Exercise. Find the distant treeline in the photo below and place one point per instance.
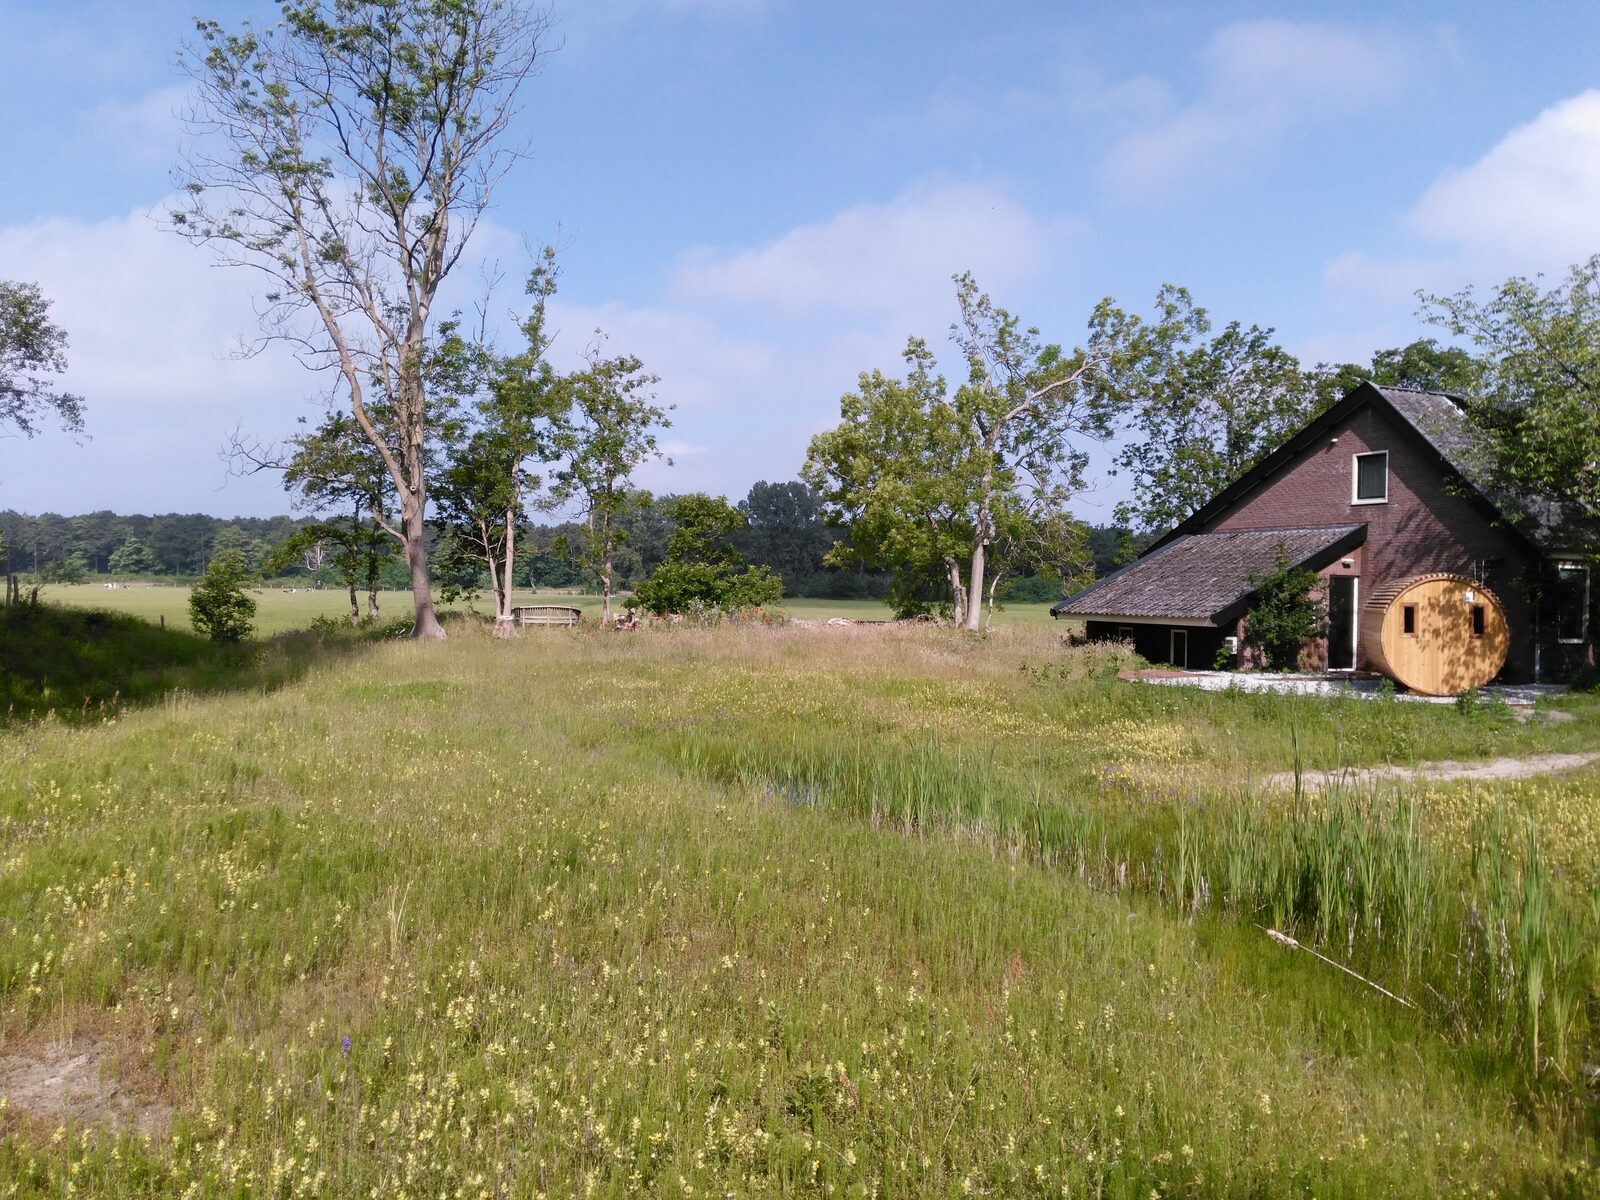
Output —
(784, 530)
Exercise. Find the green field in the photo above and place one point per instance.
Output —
(279, 610)
(883, 911)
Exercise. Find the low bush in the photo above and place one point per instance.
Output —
(218, 606)
(689, 587)
(1284, 614)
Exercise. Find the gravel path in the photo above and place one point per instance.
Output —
(1356, 687)
(1492, 770)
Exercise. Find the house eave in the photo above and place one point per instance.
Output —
(1120, 619)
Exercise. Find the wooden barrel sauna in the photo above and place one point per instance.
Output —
(1439, 635)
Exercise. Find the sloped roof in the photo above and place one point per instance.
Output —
(1206, 576)
(1443, 423)
(1439, 423)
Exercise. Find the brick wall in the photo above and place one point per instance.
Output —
(1424, 526)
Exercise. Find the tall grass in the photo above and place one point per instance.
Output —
(1485, 945)
(761, 914)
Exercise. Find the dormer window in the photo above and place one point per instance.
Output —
(1370, 484)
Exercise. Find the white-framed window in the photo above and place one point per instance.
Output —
(1369, 478)
(1572, 602)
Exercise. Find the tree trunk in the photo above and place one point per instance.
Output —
(975, 586)
(426, 624)
(958, 594)
(504, 625)
(495, 589)
(605, 588)
(994, 586)
(355, 607)
(375, 538)
(414, 496)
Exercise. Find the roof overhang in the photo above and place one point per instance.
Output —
(1118, 619)
(1251, 552)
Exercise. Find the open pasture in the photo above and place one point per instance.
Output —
(832, 912)
(279, 610)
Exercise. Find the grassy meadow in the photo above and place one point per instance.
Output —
(279, 610)
(886, 911)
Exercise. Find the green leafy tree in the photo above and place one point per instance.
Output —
(702, 566)
(608, 433)
(928, 479)
(348, 152)
(1111, 547)
(333, 472)
(72, 569)
(133, 557)
(1056, 549)
(513, 427)
(1284, 614)
(1539, 381)
(218, 606)
(1423, 365)
(1203, 412)
(32, 348)
(231, 539)
(785, 529)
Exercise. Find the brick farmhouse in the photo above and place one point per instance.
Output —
(1385, 485)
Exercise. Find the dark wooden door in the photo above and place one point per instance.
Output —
(1342, 623)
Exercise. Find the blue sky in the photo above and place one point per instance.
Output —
(763, 198)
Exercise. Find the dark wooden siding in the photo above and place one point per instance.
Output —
(1154, 643)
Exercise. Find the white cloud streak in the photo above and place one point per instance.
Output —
(885, 260)
(1262, 81)
(753, 346)
(1531, 204)
(153, 333)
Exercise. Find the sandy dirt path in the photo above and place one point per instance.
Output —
(1491, 770)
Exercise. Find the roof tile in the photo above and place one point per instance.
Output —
(1200, 576)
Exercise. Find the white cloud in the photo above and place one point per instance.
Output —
(1262, 80)
(753, 347)
(153, 331)
(1533, 201)
(676, 448)
(888, 260)
(1531, 204)
(702, 366)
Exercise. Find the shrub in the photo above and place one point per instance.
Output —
(699, 572)
(1283, 615)
(681, 587)
(72, 570)
(218, 606)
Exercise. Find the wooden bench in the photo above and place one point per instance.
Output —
(546, 614)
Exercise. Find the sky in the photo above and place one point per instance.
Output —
(764, 198)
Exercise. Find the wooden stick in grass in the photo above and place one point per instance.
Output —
(1283, 939)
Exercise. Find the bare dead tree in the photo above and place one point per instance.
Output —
(348, 154)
